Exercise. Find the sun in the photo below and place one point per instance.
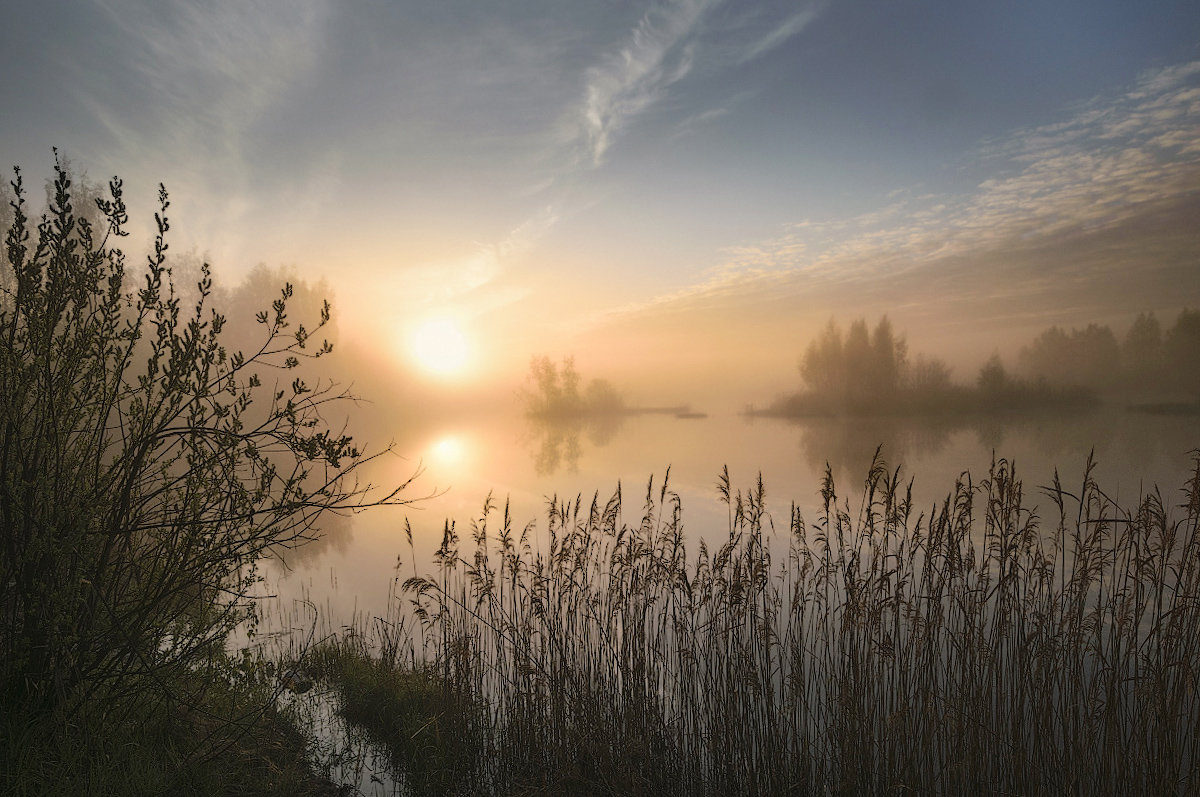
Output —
(448, 450)
(440, 346)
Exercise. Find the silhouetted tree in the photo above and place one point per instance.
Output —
(857, 362)
(993, 379)
(863, 370)
(1142, 355)
(869, 371)
(928, 375)
(888, 362)
(822, 365)
(1182, 346)
(144, 467)
(1088, 357)
(555, 391)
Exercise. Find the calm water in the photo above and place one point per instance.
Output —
(350, 570)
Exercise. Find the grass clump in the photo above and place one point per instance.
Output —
(425, 725)
(977, 647)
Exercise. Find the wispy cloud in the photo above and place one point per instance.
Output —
(659, 52)
(468, 286)
(1106, 196)
(696, 121)
(778, 34)
(188, 85)
(205, 73)
(666, 45)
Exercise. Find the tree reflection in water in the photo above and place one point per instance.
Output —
(557, 442)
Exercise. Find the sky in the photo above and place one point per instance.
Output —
(670, 191)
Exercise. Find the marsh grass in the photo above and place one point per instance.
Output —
(985, 645)
(425, 727)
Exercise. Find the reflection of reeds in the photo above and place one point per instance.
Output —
(978, 647)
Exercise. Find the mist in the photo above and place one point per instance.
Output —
(678, 397)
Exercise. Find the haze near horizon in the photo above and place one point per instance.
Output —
(679, 194)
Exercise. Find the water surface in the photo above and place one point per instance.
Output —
(349, 574)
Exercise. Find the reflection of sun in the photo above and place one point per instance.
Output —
(439, 346)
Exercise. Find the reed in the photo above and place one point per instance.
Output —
(981, 646)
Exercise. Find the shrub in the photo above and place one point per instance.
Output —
(144, 469)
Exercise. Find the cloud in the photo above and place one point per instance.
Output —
(664, 48)
(781, 33)
(183, 94)
(691, 124)
(203, 74)
(659, 52)
(479, 282)
(1096, 211)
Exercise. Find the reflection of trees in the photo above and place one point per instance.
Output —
(557, 441)
(560, 414)
(1136, 441)
(848, 444)
(1114, 434)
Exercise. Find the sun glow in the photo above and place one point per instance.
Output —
(447, 451)
(440, 347)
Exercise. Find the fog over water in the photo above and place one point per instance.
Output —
(505, 455)
(335, 333)
(683, 196)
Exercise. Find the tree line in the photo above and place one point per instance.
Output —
(1147, 361)
(868, 369)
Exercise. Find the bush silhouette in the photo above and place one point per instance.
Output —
(144, 469)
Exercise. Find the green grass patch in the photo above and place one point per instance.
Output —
(226, 740)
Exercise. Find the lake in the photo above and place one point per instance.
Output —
(348, 573)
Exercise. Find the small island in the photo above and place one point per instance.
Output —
(868, 371)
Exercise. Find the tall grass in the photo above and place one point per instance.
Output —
(975, 647)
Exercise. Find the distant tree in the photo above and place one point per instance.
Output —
(601, 397)
(822, 365)
(561, 413)
(241, 303)
(993, 379)
(865, 369)
(554, 392)
(144, 467)
(1098, 356)
(857, 362)
(889, 360)
(928, 375)
(1047, 354)
(1182, 347)
(1088, 357)
(1142, 355)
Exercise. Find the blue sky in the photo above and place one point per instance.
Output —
(681, 181)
